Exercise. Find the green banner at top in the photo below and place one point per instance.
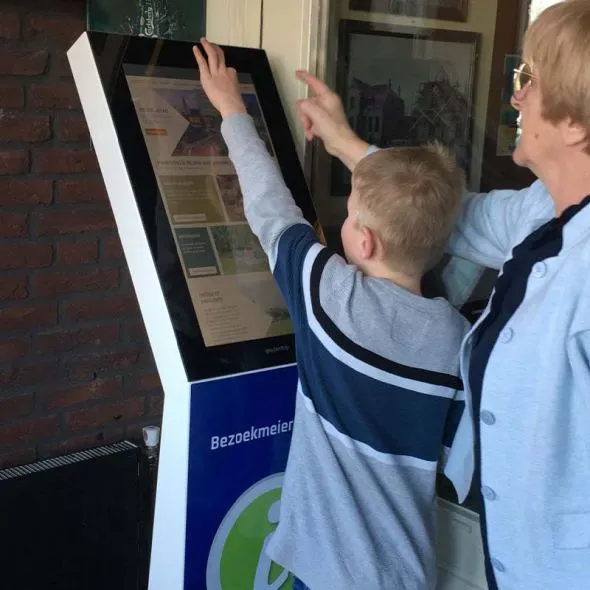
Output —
(181, 20)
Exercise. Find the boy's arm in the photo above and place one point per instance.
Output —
(269, 206)
(268, 203)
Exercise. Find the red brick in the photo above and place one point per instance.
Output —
(112, 249)
(61, 95)
(14, 162)
(156, 405)
(65, 161)
(63, 341)
(27, 375)
(26, 192)
(100, 308)
(90, 366)
(136, 332)
(13, 288)
(59, 31)
(22, 127)
(25, 317)
(12, 96)
(53, 223)
(72, 129)
(16, 406)
(95, 390)
(58, 283)
(21, 432)
(82, 442)
(60, 66)
(17, 457)
(9, 25)
(74, 253)
(146, 382)
(82, 191)
(106, 415)
(25, 255)
(14, 225)
(13, 348)
(23, 64)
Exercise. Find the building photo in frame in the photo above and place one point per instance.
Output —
(405, 87)
(456, 10)
(180, 20)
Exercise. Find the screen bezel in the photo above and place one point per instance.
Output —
(112, 53)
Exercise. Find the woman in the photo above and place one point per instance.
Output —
(526, 362)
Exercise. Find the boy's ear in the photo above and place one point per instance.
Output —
(368, 245)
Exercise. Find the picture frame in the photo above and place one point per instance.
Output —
(178, 20)
(452, 10)
(406, 86)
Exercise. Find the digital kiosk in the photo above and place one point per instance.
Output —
(218, 326)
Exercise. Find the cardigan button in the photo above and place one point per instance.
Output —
(506, 335)
(487, 418)
(539, 270)
(488, 493)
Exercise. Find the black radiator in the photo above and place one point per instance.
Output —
(77, 522)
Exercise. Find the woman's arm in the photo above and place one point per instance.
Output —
(489, 223)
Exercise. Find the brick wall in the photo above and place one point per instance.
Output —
(75, 366)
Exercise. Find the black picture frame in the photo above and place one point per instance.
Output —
(113, 53)
(410, 93)
(452, 10)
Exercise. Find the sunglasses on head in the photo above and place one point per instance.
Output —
(523, 75)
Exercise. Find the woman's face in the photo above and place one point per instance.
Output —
(539, 140)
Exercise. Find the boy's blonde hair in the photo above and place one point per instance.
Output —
(409, 197)
(557, 47)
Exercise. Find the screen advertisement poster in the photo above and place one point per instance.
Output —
(232, 289)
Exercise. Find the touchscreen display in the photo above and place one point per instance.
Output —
(229, 280)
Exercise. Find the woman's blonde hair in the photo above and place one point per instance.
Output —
(557, 47)
(409, 197)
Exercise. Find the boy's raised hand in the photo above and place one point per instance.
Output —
(219, 82)
(322, 115)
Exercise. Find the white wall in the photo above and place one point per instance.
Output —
(234, 22)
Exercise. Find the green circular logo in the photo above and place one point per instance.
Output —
(238, 560)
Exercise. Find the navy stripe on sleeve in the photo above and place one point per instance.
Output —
(294, 244)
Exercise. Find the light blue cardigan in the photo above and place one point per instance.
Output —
(535, 409)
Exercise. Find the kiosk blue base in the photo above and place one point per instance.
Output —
(239, 440)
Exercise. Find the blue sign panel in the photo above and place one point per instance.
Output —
(240, 431)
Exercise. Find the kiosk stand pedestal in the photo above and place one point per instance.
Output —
(218, 326)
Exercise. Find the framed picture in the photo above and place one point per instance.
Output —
(180, 20)
(456, 10)
(405, 86)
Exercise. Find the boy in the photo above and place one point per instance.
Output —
(378, 395)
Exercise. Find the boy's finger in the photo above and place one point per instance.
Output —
(303, 118)
(212, 57)
(201, 61)
(220, 55)
(308, 108)
(316, 85)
